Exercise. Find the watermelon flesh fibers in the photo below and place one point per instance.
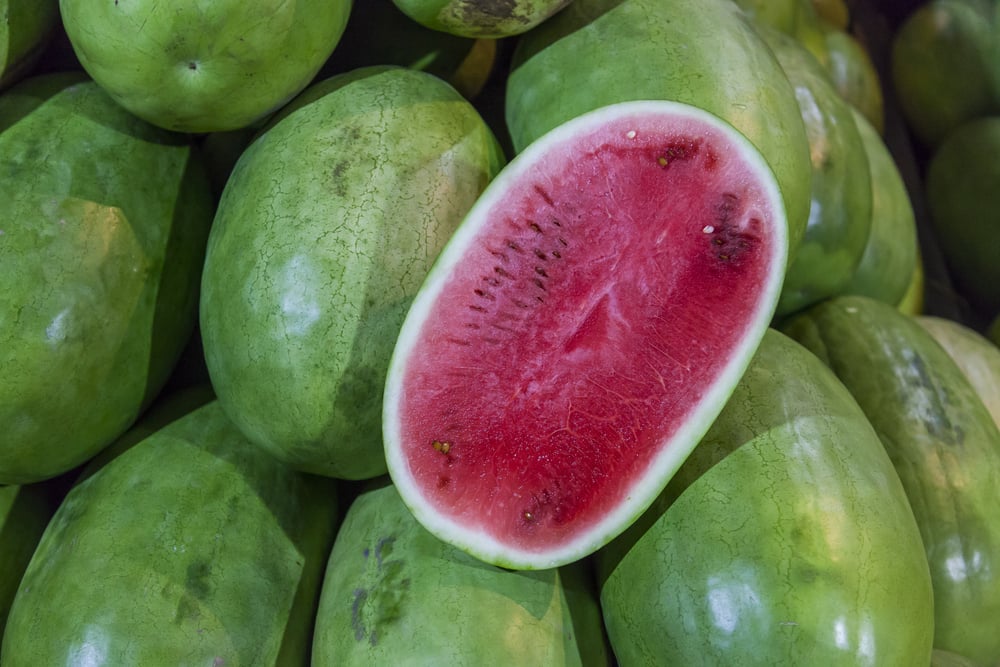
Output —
(581, 331)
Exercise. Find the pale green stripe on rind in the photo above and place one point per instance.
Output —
(676, 449)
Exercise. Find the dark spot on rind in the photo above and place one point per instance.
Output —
(357, 624)
(197, 579)
(937, 422)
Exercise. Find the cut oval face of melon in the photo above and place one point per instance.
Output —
(581, 331)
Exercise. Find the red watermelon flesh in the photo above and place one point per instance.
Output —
(581, 331)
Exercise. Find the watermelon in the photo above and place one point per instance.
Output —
(943, 66)
(891, 255)
(705, 53)
(854, 75)
(378, 33)
(581, 330)
(944, 445)
(25, 511)
(481, 18)
(975, 355)
(192, 547)
(395, 594)
(840, 210)
(785, 539)
(105, 220)
(963, 193)
(24, 33)
(325, 230)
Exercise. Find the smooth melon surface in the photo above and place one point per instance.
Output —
(581, 330)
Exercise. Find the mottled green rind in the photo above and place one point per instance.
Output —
(778, 14)
(194, 66)
(105, 219)
(192, 548)
(944, 67)
(840, 210)
(702, 52)
(25, 510)
(327, 227)
(785, 539)
(854, 76)
(975, 355)
(891, 252)
(25, 26)
(396, 595)
(944, 445)
(963, 198)
(481, 18)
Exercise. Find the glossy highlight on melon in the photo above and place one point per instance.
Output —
(581, 330)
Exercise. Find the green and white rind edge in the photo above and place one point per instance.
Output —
(676, 449)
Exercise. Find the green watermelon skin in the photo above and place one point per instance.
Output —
(105, 224)
(396, 595)
(784, 539)
(976, 356)
(25, 510)
(326, 228)
(24, 33)
(191, 548)
(892, 252)
(944, 445)
(701, 52)
(840, 211)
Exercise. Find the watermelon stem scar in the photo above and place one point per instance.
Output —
(581, 331)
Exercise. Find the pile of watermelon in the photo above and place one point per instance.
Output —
(466, 332)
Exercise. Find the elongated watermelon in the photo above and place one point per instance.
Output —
(191, 548)
(944, 445)
(786, 538)
(581, 330)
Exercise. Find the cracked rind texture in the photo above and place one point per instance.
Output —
(701, 52)
(193, 547)
(944, 445)
(193, 66)
(785, 538)
(395, 594)
(494, 19)
(105, 220)
(326, 229)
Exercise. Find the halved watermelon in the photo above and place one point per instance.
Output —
(581, 331)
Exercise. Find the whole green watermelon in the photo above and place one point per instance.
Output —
(785, 538)
(194, 547)
(325, 230)
(105, 220)
(944, 446)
